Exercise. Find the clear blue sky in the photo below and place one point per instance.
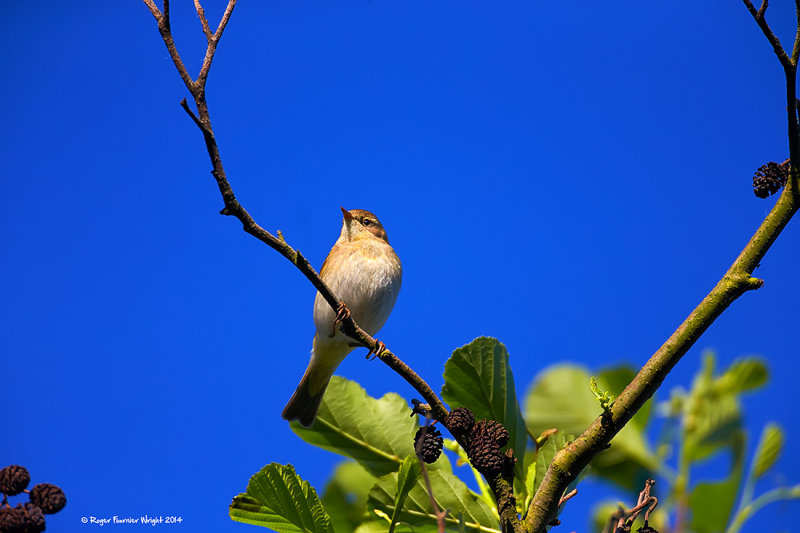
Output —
(570, 178)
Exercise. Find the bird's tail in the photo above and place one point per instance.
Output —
(304, 403)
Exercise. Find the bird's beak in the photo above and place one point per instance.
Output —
(346, 213)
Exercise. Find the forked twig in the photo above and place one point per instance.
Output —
(232, 206)
(758, 15)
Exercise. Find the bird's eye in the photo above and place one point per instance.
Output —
(366, 221)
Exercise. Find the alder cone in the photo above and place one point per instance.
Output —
(49, 498)
(12, 520)
(32, 518)
(490, 429)
(769, 179)
(14, 479)
(486, 457)
(431, 447)
(460, 420)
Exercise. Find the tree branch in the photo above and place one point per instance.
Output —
(201, 13)
(758, 15)
(166, 34)
(570, 461)
(233, 208)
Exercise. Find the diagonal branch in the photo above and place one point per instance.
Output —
(233, 208)
(570, 461)
(501, 487)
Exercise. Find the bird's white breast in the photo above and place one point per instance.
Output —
(366, 275)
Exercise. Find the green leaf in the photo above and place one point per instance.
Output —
(711, 503)
(382, 526)
(345, 497)
(376, 433)
(478, 376)
(407, 477)
(614, 380)
(463, 461)
(545, 454)
(560, 398)
(373, 526)
(711, 426)
(769, 449)
(277, 498)
(529, 466)
(601, 516)
(743, 375)
(450, 494)
(602, 396)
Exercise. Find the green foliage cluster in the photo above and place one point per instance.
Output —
(381, 486)
(701, 423)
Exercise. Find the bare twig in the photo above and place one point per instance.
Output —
(213, 41)
(233, 208)
(758, 15)
(623, 518)
(796, 48)
(568, 496)
(166, 34)
(203, 20)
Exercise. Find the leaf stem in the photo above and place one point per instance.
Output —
(782, 493)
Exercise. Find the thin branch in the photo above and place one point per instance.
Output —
(574, 458)
(162, 19)
(758, 15)
(568, 496)
(233, 208)
(212, 43)
(570, 461)
(151, 5)
(796, 49)
(201, 13)
(185, 106)
(623, 518)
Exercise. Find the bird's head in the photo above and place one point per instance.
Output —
(360, 224)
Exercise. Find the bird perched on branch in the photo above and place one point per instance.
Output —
(362, 270)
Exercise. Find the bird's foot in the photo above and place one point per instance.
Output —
(380, 347)
(342, 313)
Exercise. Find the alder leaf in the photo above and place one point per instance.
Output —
(277, 498)
(560, 398)
(345, 497)
(769, 449)
(450, 493)
(478, 376)
(743, 375)
(407, 477)
(712, 503)
(377, 433)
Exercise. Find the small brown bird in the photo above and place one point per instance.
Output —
(362, 270)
